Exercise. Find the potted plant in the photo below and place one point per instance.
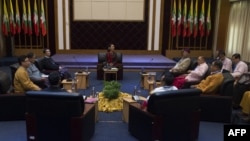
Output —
(111, 89)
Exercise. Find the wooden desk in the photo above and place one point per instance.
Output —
(145, 77)
(125, 110)
(110, 71)
(82, 80)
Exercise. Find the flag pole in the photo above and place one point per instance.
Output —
(25, 42)
(200, 42)
(189, 41)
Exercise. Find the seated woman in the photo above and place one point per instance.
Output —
(111, 57)
(193, 75)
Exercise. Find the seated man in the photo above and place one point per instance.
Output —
(34, 73)
(22, 82)
(55, 81)
(211, 84)
(240, 67)
(227, 63)
(180, 67)
(49, 64)
(193, 75)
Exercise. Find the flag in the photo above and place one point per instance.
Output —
(173, 20)
(202, 19)
(24, 22)
(208, 19)
(179, 18)
(35, 20)
(5, 24)
(195, 19)
(43, 20)
(185, 19)
(29, 19)
(190, 20)
(12, 20)
(18, 25)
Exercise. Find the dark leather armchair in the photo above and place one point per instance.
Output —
(101, 64)
(170, 116)
(61, 116)
(218, 107)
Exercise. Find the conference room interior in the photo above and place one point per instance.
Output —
(77, 31)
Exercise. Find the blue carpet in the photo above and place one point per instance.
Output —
(110, 126)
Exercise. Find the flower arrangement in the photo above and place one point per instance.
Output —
(111, 89)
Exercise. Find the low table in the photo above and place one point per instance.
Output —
(67, 85)
(110, 71)
(145, 77)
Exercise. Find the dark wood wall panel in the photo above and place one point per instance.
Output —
(98, 34)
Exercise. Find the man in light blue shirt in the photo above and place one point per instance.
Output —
(34, 73)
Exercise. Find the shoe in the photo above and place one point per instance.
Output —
(246, 119)
(242, 114)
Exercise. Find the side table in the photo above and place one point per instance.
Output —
(125, 110)
(82, 80)
(110, 71)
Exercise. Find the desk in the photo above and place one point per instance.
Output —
(145, 77)
(125, 110)
(82, 80)
(110, 71)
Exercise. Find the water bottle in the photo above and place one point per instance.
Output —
(142, 70)
(73, 86)
(86, 69)
(93, 92)
(135, 91)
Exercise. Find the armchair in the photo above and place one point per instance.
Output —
(218, 107)
(170, 115)
(58, 116)
(101, 63)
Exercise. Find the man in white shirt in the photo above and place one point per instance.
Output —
(227, 63)
(240, 66)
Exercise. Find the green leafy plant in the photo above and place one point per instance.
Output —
(111, 89)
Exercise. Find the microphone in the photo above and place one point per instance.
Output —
(78, 63)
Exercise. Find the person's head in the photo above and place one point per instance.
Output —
(169, 81)
(201, 59)
(47, 52)
(216, 66)
(236, 58)
(23, 60)
(112, 47)
(221, 54)
(32, 57)
(54, 78)
(185, 52)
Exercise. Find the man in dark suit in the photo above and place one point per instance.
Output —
(49, 64)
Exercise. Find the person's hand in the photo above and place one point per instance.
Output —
(43, 79)
(60, 67)
(69, 91)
